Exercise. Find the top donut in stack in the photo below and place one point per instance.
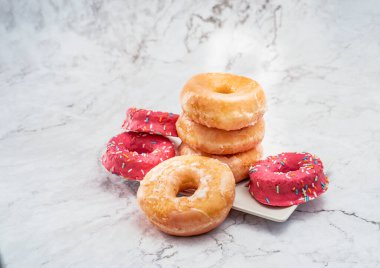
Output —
(222, 119)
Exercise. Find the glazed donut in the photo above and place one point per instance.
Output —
(287, 179)
(239, 163)
(132, 155)
(161, 123)
(187, 215)
(223, 101)
(217, 141)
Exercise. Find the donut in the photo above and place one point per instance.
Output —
(217, 141)
(187, 215)
(153, 122)
(131, 155)
(223, 101)
(287, 179)
(239, 163)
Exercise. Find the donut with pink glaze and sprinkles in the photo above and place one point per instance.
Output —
(287, 179)
(131, 155)
(161, 123)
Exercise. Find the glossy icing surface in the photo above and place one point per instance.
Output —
(131, 155)
(153, 122)
(287, 179)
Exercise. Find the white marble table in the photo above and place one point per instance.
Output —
(69, 70)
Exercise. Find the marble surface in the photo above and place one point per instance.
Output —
(70, 69)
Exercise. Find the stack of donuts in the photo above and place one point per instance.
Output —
(222, 119)
(143, 144)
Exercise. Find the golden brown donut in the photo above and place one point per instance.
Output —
(223, 101)
(217, 141)
(187, 215)
(239, 163)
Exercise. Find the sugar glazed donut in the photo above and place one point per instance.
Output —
(187, 215)
(239, 163)
(132, 155)
(223, 101)
(161, 123)
(217, 141)
(287, 179)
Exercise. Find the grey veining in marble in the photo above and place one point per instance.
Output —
(69, 70)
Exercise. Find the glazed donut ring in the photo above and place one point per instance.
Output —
(187, 215)
(239, 163)
(217, 141)
(223, 101)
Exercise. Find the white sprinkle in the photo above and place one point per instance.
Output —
(142, 171)
(129, 170)
(201, 193)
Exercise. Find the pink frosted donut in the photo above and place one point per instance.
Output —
(140, 120)
(132, 155)
(287, 179)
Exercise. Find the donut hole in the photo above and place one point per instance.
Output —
(187, 186)
(186, 192)
(224, 90)
(287, 168)
(142, 150)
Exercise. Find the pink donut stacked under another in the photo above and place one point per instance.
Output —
(132, 155)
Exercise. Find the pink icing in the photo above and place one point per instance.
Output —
(287, 179)
(140, 120)
(132, 155)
